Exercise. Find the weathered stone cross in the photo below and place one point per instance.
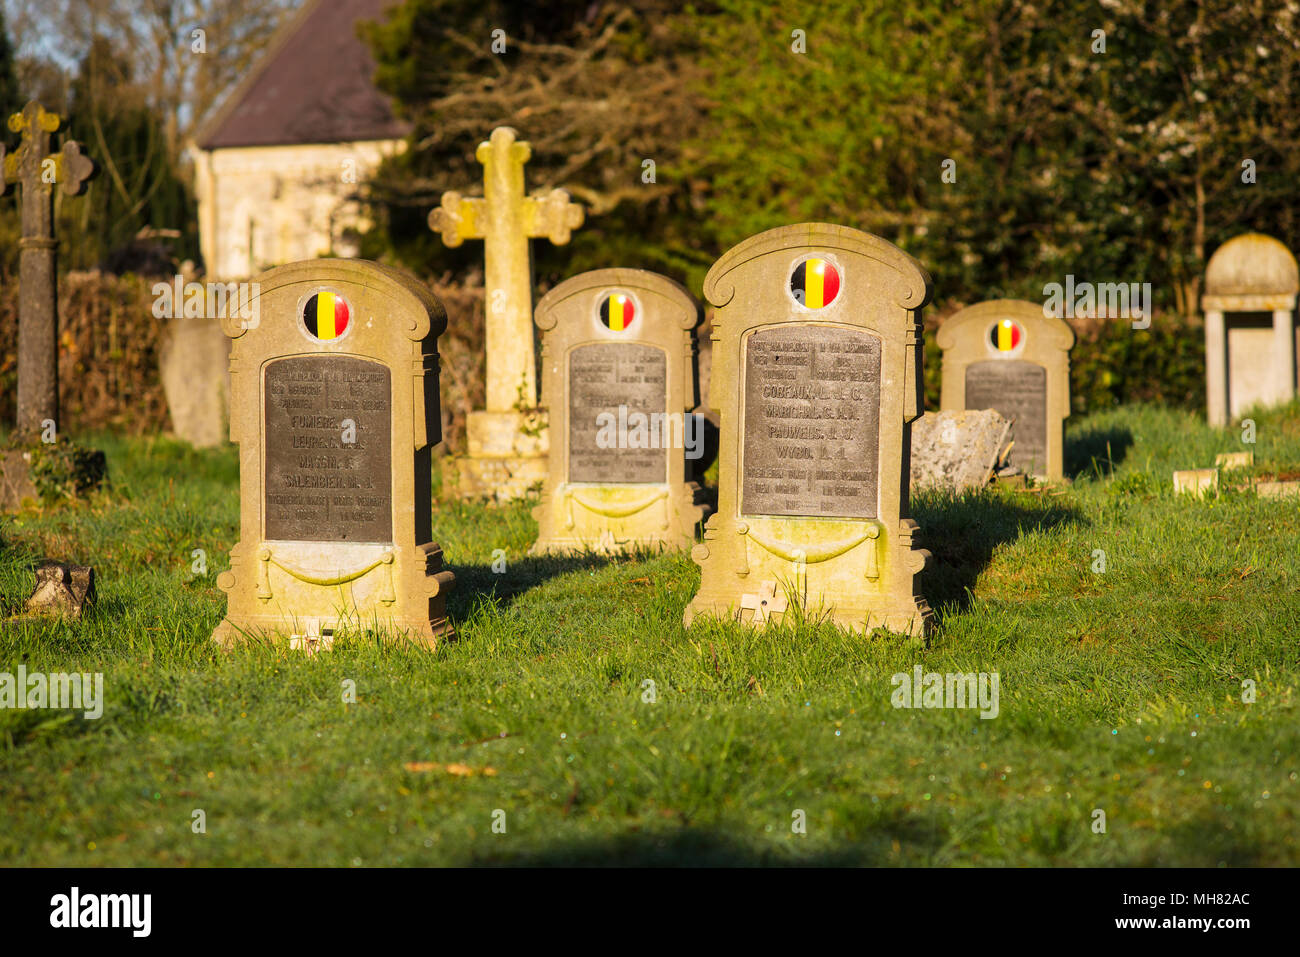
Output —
(505, 219)
(34, 168)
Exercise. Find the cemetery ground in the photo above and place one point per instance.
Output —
(1121, 691)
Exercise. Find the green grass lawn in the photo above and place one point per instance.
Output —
(1120, 691)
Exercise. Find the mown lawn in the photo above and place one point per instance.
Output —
(1120, 691)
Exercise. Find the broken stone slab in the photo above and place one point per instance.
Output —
(957, 450)
(62, 589)
(1198, 482)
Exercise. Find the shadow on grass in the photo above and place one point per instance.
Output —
(474, 581)
(962, 531)
(1096, 451)
(699, 847)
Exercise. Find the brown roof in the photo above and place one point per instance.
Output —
(314, 84)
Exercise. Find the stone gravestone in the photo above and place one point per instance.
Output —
(618, 381)
(1251, 283)
(1006, 355)
(507, 440)
(957, 451)
(816, 379)
(194, 367)
(334, 406)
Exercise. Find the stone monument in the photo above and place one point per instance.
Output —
(1251, 284)
(1007, 355)
(618, 381)
(508, 440)
(334, 406)
(816, 379)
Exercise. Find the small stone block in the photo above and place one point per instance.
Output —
(1278, 489)
(1198, 482)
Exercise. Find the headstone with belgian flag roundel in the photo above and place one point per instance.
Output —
(618, 382)
(816, 380)
(334, 406)
(1007, 355)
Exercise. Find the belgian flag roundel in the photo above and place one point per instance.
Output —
(815, 283)
(617, 311)
(326, 315)
(1006, 335)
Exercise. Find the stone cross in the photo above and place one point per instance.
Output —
(36, 169)
(765, 604)
(505, 219)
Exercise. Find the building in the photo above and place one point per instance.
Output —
(277, 163)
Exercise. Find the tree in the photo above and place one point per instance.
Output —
(596, 88)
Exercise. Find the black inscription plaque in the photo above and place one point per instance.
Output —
(317, 487)
(1017, 389)
(618, 430)
(812, 422)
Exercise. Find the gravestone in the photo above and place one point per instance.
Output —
(334, 406)
(618, 381)
(507, 440)
(194, 367)
(1006, 355)
(816, 379)
(957, 451)
(1251, 283)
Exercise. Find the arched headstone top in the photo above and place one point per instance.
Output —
(911, 290)
(1252, 265)
(684, 309)
(401, 295)
(1052, 332)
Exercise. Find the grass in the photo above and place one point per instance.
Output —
(1120, 692)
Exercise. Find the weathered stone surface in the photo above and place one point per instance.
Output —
(16, 487)
(836, 374)
(505, 219)
(618, 389)
(195, 368)
(62, 589)
(335, 424)
(1198, 482)
(1251, 284)
(957, 450)
(1006, 355)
